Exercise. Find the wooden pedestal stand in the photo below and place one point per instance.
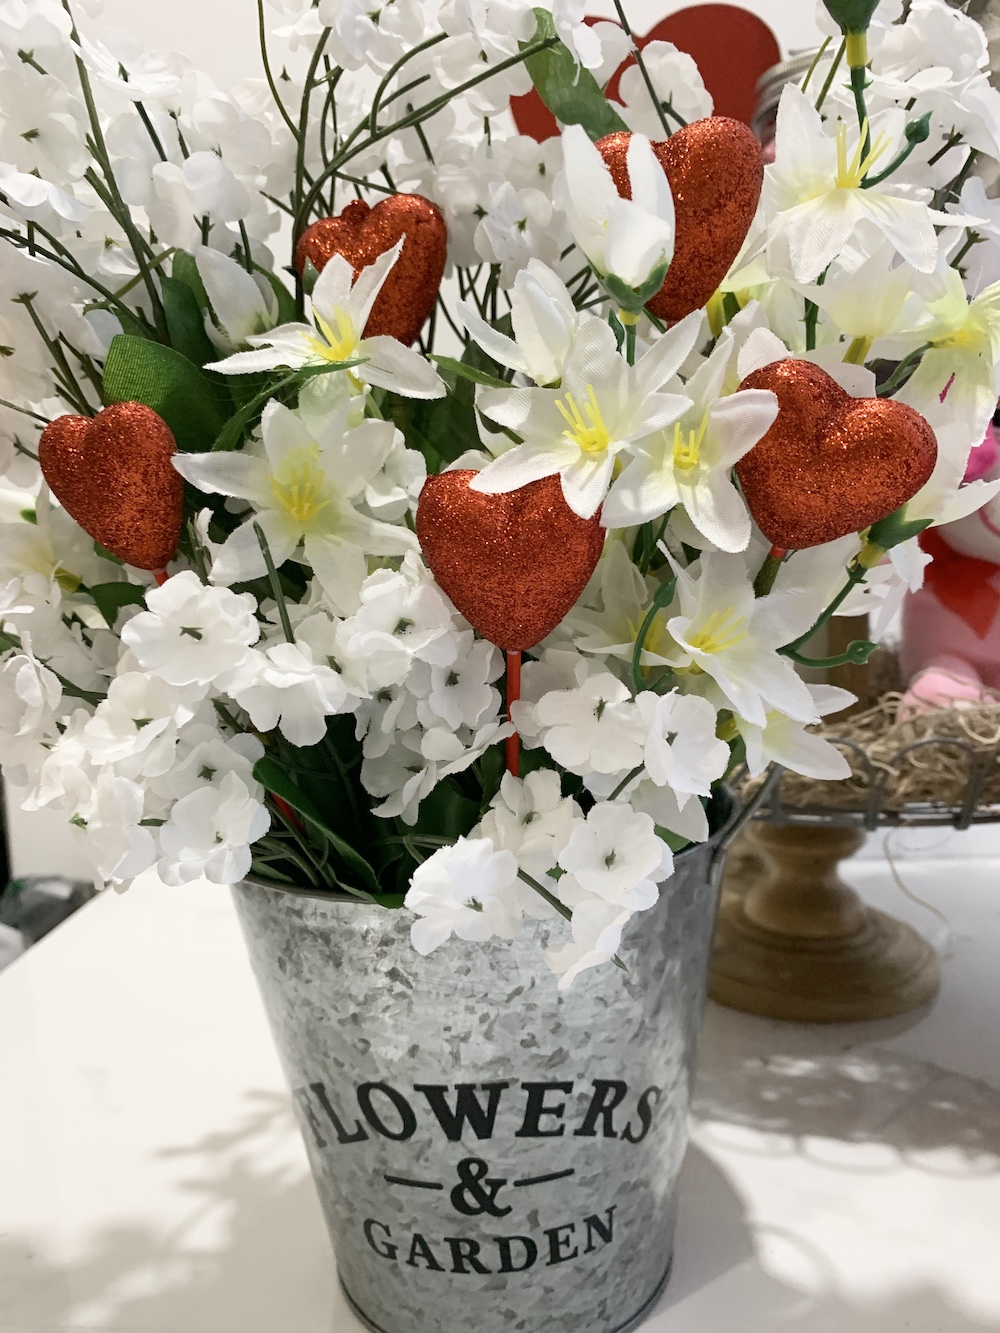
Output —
(793, 941)
(800, 944)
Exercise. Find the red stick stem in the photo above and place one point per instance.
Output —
(161, 576)
(513, 694)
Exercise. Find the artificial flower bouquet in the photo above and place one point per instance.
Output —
(396, 506)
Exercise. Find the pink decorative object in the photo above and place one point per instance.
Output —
(950, 650)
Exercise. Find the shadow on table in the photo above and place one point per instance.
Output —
(720, 1284)
(787, 1082)
(251, 1256)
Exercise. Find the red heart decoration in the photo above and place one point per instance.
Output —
(513, 564)
(361, 234)
(113, 474)
(831, 464)
(715, 168)
(731, 47)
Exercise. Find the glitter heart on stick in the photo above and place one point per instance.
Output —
(361, 234)
(513, 564)
(715, 168)
(831, 464)
(113, 474)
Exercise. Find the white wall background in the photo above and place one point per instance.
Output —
(220, 36)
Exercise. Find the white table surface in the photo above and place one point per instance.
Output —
(840, 1180)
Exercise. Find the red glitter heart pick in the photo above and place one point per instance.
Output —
(361, 234)
(715, 168)
(831, 464)
(513, 564)
(113, 474)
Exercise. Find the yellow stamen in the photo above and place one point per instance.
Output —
(299, 486)
(720, 631)
(687, 445)
(858, 350)
(341, 343)
(586, 428)
(851, 174)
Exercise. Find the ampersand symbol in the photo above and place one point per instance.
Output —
(475, 1194)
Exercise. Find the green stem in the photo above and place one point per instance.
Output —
(268, 75)
(301, 175)
(644, 71)
(421, 114)
(276, 589)
(900, 373)
(664, 595)
(816, 59)
(394, 69)
(543, 892)
(25, 411)
(972, 239)
(855, 575)
(626, 780)
(859, 78)
(832, 75)
(768, 572)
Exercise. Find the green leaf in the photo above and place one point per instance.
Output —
(139, 371)
(570, 92)
(274, 778)
(466, 372)
(111, 597)
(185, 269)
(446, 813)
(185, 322)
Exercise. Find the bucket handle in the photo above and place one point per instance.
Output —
(744, 814)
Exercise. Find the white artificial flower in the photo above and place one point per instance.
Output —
(593, 727)
(676, 80)
(682, 750)
(532, 819)
(305, 489)
(210, 831)
(597, 928)
(602, 406)
(516, 229)
(37, 200)
(961, 364)
(117, 843)
(290, 690)
(726, 632)
(813, 194)
(243, 304)
(340, 309)
(783, 740)
(182, 194)
(630, 240)
(467, 889)
(607, 618)
(461, 693)
(138, 723)
(545, 323)
(691, 462)
(616, 855)
(192, 634)
(29, 694)
(402, 617)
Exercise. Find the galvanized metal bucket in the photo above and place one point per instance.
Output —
(490, 1153)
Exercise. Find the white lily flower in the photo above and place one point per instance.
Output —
(725, 632)
(627, 239)
(602, 406)
(304, 489)
(813, 190)
(783, 740)
(607, 618)
(961, 362)
(545, 323)
(691, 462)
(243, 304)
(340, 309)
